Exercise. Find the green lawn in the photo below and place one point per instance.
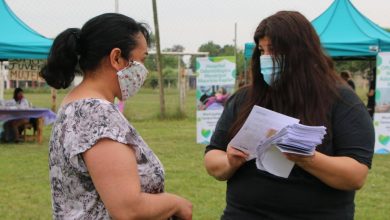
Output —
(24, 181)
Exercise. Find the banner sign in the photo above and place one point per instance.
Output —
(215, 82)
(382, 104)
(25, 69)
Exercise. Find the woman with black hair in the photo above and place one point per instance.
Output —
(100, 167)
(292, 75)
(19, 98)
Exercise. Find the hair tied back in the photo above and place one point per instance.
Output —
(76, 35)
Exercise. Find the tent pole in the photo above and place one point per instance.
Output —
(245, 71)
(370, 70)
(370, 64)
(1, 81)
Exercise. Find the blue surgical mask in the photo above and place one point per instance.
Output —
(268, 68)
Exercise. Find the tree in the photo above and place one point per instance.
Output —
(158, 61)
(211, 47)
(175, 48)
(168, 61)
(354, 66)
(227, 50)
(217, 50)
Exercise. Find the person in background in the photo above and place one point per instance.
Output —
(13, 128)
(321, 186)
(371, 94)
(346, 76)
(100, 166)
(217, 101)
(19, 98)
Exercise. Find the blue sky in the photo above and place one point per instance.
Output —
(186, 22)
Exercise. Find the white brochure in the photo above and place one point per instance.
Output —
(261, 124)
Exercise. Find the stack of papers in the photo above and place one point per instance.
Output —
(296, 139)
(266, 135)
(257, 127)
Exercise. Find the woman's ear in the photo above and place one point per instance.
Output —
(115, 59)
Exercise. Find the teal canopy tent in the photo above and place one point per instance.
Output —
(346, 33)
(17, 40)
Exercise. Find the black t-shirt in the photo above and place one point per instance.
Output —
(255, 194)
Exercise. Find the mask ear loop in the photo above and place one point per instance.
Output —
(129, 63)
(133, 62)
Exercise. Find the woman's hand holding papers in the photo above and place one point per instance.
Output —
(236, 158)
(222, 165)
(300, 160)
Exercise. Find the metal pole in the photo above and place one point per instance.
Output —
(245, 70)
(116, 6)
(121, 104)
(158, 60)
(235, 49)
(182, 88)
(1, 81)
(235, 41)
(178, 71)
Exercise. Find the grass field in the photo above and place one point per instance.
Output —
(24, 181)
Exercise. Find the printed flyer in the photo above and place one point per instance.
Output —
(215, 82)
(382, 104)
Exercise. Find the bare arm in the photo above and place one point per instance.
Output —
(222, 165)
(342, 173)
(113, 169)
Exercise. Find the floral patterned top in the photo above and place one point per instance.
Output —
(79, 126)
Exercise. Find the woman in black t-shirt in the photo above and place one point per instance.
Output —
(292, 75)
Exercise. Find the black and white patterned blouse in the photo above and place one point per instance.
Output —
(79, 126)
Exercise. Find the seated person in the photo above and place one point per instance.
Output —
(13, 128)
(19, 99)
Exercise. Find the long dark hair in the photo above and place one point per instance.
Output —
(79, 50)
(306, 86)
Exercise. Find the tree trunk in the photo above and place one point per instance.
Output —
(158, 60)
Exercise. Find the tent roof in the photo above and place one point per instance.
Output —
(17, 40)
(346, 33)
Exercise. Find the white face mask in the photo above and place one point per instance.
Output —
(131, 79)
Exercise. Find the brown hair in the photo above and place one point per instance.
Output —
(306, 85)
